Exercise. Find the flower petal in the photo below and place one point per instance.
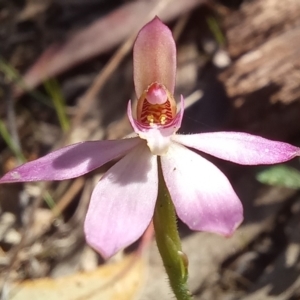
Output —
(71, 161)
(154, 57)
(241, 148)
(122, 203)
(158, 137)
(202, 195)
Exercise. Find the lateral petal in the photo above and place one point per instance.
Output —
(71, 161)
(202, 195)
(154, 57)
(122, 203)
(241, 148)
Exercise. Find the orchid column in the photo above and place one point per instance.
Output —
(156, 121)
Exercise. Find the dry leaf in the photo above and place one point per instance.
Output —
(99, 37)
(121, 280)
(32, 9)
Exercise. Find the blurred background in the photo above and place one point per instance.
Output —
(66, 76)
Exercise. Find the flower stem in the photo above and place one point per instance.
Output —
(168, 241)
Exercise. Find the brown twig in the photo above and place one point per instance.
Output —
(67, 198)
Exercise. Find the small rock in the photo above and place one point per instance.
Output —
(12, 237)
(89, 259)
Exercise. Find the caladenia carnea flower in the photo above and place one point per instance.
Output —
(123, 202)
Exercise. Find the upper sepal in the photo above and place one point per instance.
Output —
(154, 57)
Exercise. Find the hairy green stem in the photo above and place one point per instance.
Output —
(168, 241)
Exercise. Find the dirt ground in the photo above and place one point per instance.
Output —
(66, 76)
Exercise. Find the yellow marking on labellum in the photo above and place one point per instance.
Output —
(156, 114)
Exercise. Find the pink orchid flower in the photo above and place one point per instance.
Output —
(122, 203)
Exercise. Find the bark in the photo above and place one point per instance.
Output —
(263, 81)
(258, 21)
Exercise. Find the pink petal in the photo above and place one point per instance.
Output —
(71, 161)
(158, 138)
(202, 195)
(154, 57)
(122, 203)
(241, 148)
